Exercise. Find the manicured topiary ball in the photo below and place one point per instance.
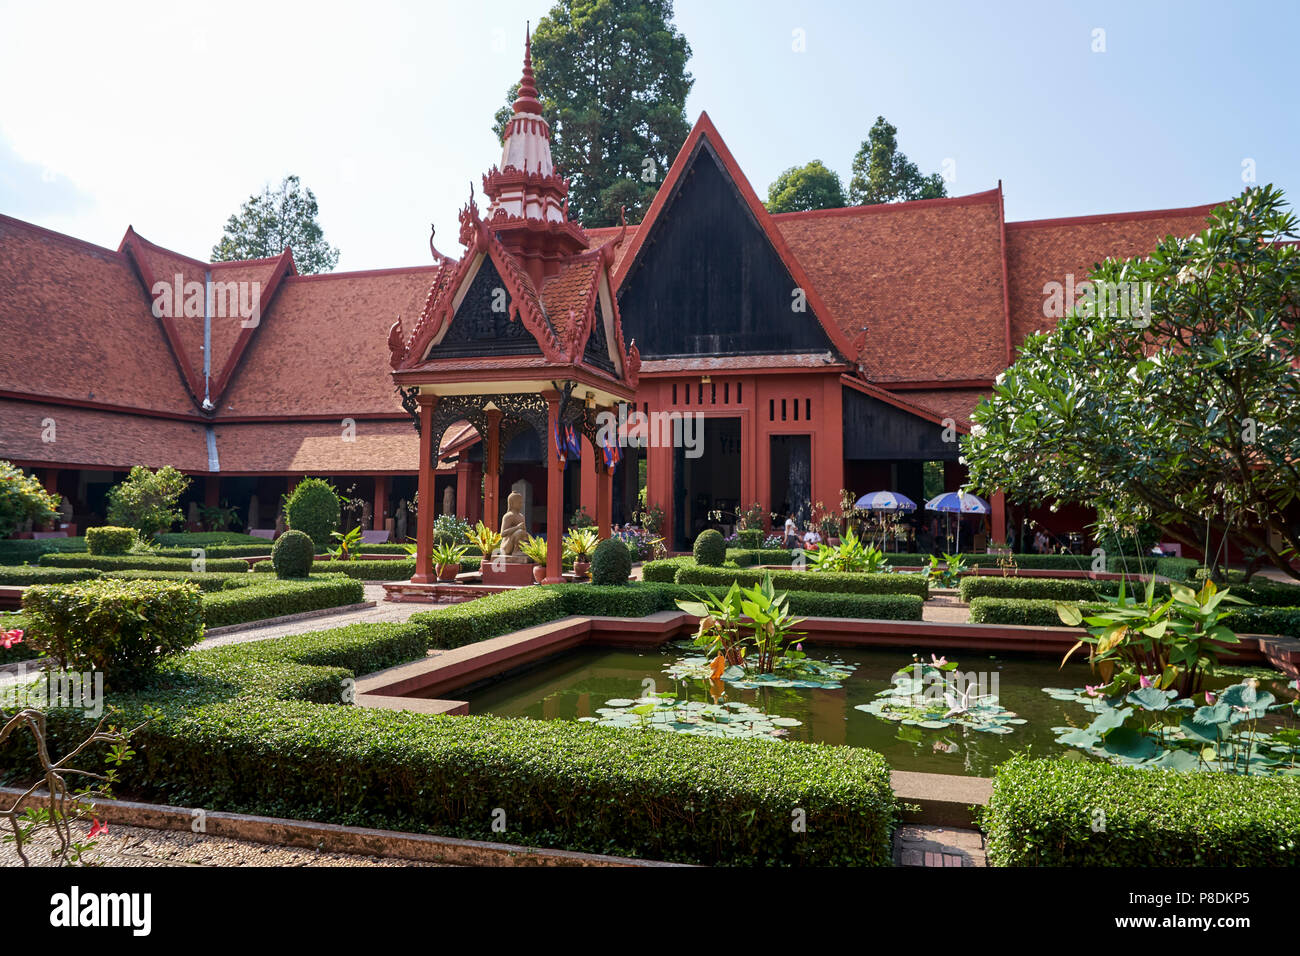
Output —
(109, 540)
(313, 508)
(611, 562)
(710, 549)
(292, 555)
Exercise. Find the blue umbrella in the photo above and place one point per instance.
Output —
(960, 503)
(885, 501)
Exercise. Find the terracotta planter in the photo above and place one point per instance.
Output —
(580, 568)
(448, 572)
(539, 573)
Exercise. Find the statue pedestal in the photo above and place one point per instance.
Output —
(515, 571)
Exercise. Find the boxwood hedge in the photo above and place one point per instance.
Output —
(247, 728)
(665, 570)
(273, 597)
(838, 582)
(1263, 593)
(1283, 621)
(21, 574)
(137, 562)
(382, 570)
(1063, 812)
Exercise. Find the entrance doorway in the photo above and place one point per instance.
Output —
(706, 489)
(791, 463)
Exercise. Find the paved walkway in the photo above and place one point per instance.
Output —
(916, 845)
(945, 609)
(382, 611)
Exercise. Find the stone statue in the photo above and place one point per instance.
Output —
(514, 526)
(254, 512)
(400, 521)
(192, 517)
(448, 501)
(367, 512)
(281, 526)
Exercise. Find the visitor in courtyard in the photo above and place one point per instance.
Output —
(791, 532)
(811, 539)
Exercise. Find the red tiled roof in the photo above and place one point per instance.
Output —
(923, 278)
(1046, 250)
(320, 348)
(75, 324)
(954, 403)
(93, 438)
(318, 448)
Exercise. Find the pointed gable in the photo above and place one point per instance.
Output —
(484, 321)
(708, 272)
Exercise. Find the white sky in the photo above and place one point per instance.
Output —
(167, 116)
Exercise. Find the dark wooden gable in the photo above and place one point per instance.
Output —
(708, 281)
(482, 325)
(597, 350)
(877, 430)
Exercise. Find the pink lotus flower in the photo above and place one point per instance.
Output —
(1093, 690)
(938, 661)
(99, 829)
(1145, 681)
(1210, 698)
(9, 638)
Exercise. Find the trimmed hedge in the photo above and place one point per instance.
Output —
(274, 597)
(1284, 621)
(710, 550)
(35, 574)
(838, 582)
(209, 581)
(665, 570)
(1176, 569)
(121, 628)
(29, 550)
(293, 555)
(745, 558)
(109, 540)
(384, 570)
(1042, 813)
(313, 508)
(490, 616)
(750, 539)
(239, 731)
(1262, 593)
(611, 562)
(137, 562)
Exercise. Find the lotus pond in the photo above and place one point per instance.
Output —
(840, 696)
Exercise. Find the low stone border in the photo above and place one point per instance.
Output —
(287, 618)
(361, 841)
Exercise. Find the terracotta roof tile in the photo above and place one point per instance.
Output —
(924, 279)
(99, 439)
(318, 447)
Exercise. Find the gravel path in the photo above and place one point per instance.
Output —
(139, 846)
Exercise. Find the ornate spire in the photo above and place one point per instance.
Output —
(527, 102)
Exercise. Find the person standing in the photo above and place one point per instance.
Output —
(791, 533)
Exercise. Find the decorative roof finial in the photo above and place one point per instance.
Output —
(527, 101)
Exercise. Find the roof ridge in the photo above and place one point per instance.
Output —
(987, 195)
(55, 234)
(1136, 215)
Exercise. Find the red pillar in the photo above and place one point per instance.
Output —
(424, 517)
(50, 479)
(998, 518)
(462, 489)
(492, 470)
(554, 493)
(381, 501)
(590, 466)
(828, 442)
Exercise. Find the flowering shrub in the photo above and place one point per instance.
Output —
(23, 498)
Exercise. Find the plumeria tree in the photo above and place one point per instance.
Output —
(23, 498)
(1169, 395)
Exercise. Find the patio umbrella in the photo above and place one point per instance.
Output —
(885, 501)
(959, 503)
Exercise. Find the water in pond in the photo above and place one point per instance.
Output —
(574, 685)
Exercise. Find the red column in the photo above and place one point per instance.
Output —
(590, 469)
(424, 517)
(828, 442)
(604, 493)
(462, 489)
(212, 491)
(381, 501)
(554, 493)
(492, 470)
(998, 518)
(50, 479)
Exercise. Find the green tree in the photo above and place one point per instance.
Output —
(147, 500)
(313, 508)
(805, 187)
(23, 498)
(1169, 394)
(881, 173)
(281, 217)
(613, 83)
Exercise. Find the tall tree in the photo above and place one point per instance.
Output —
(881, 173)
(805, 187)
(1168, 395)
(277, 218)
(613, 82)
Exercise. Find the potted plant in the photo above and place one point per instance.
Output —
(579, 543)
(485, 539)
(534, 548)
(446, 560)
